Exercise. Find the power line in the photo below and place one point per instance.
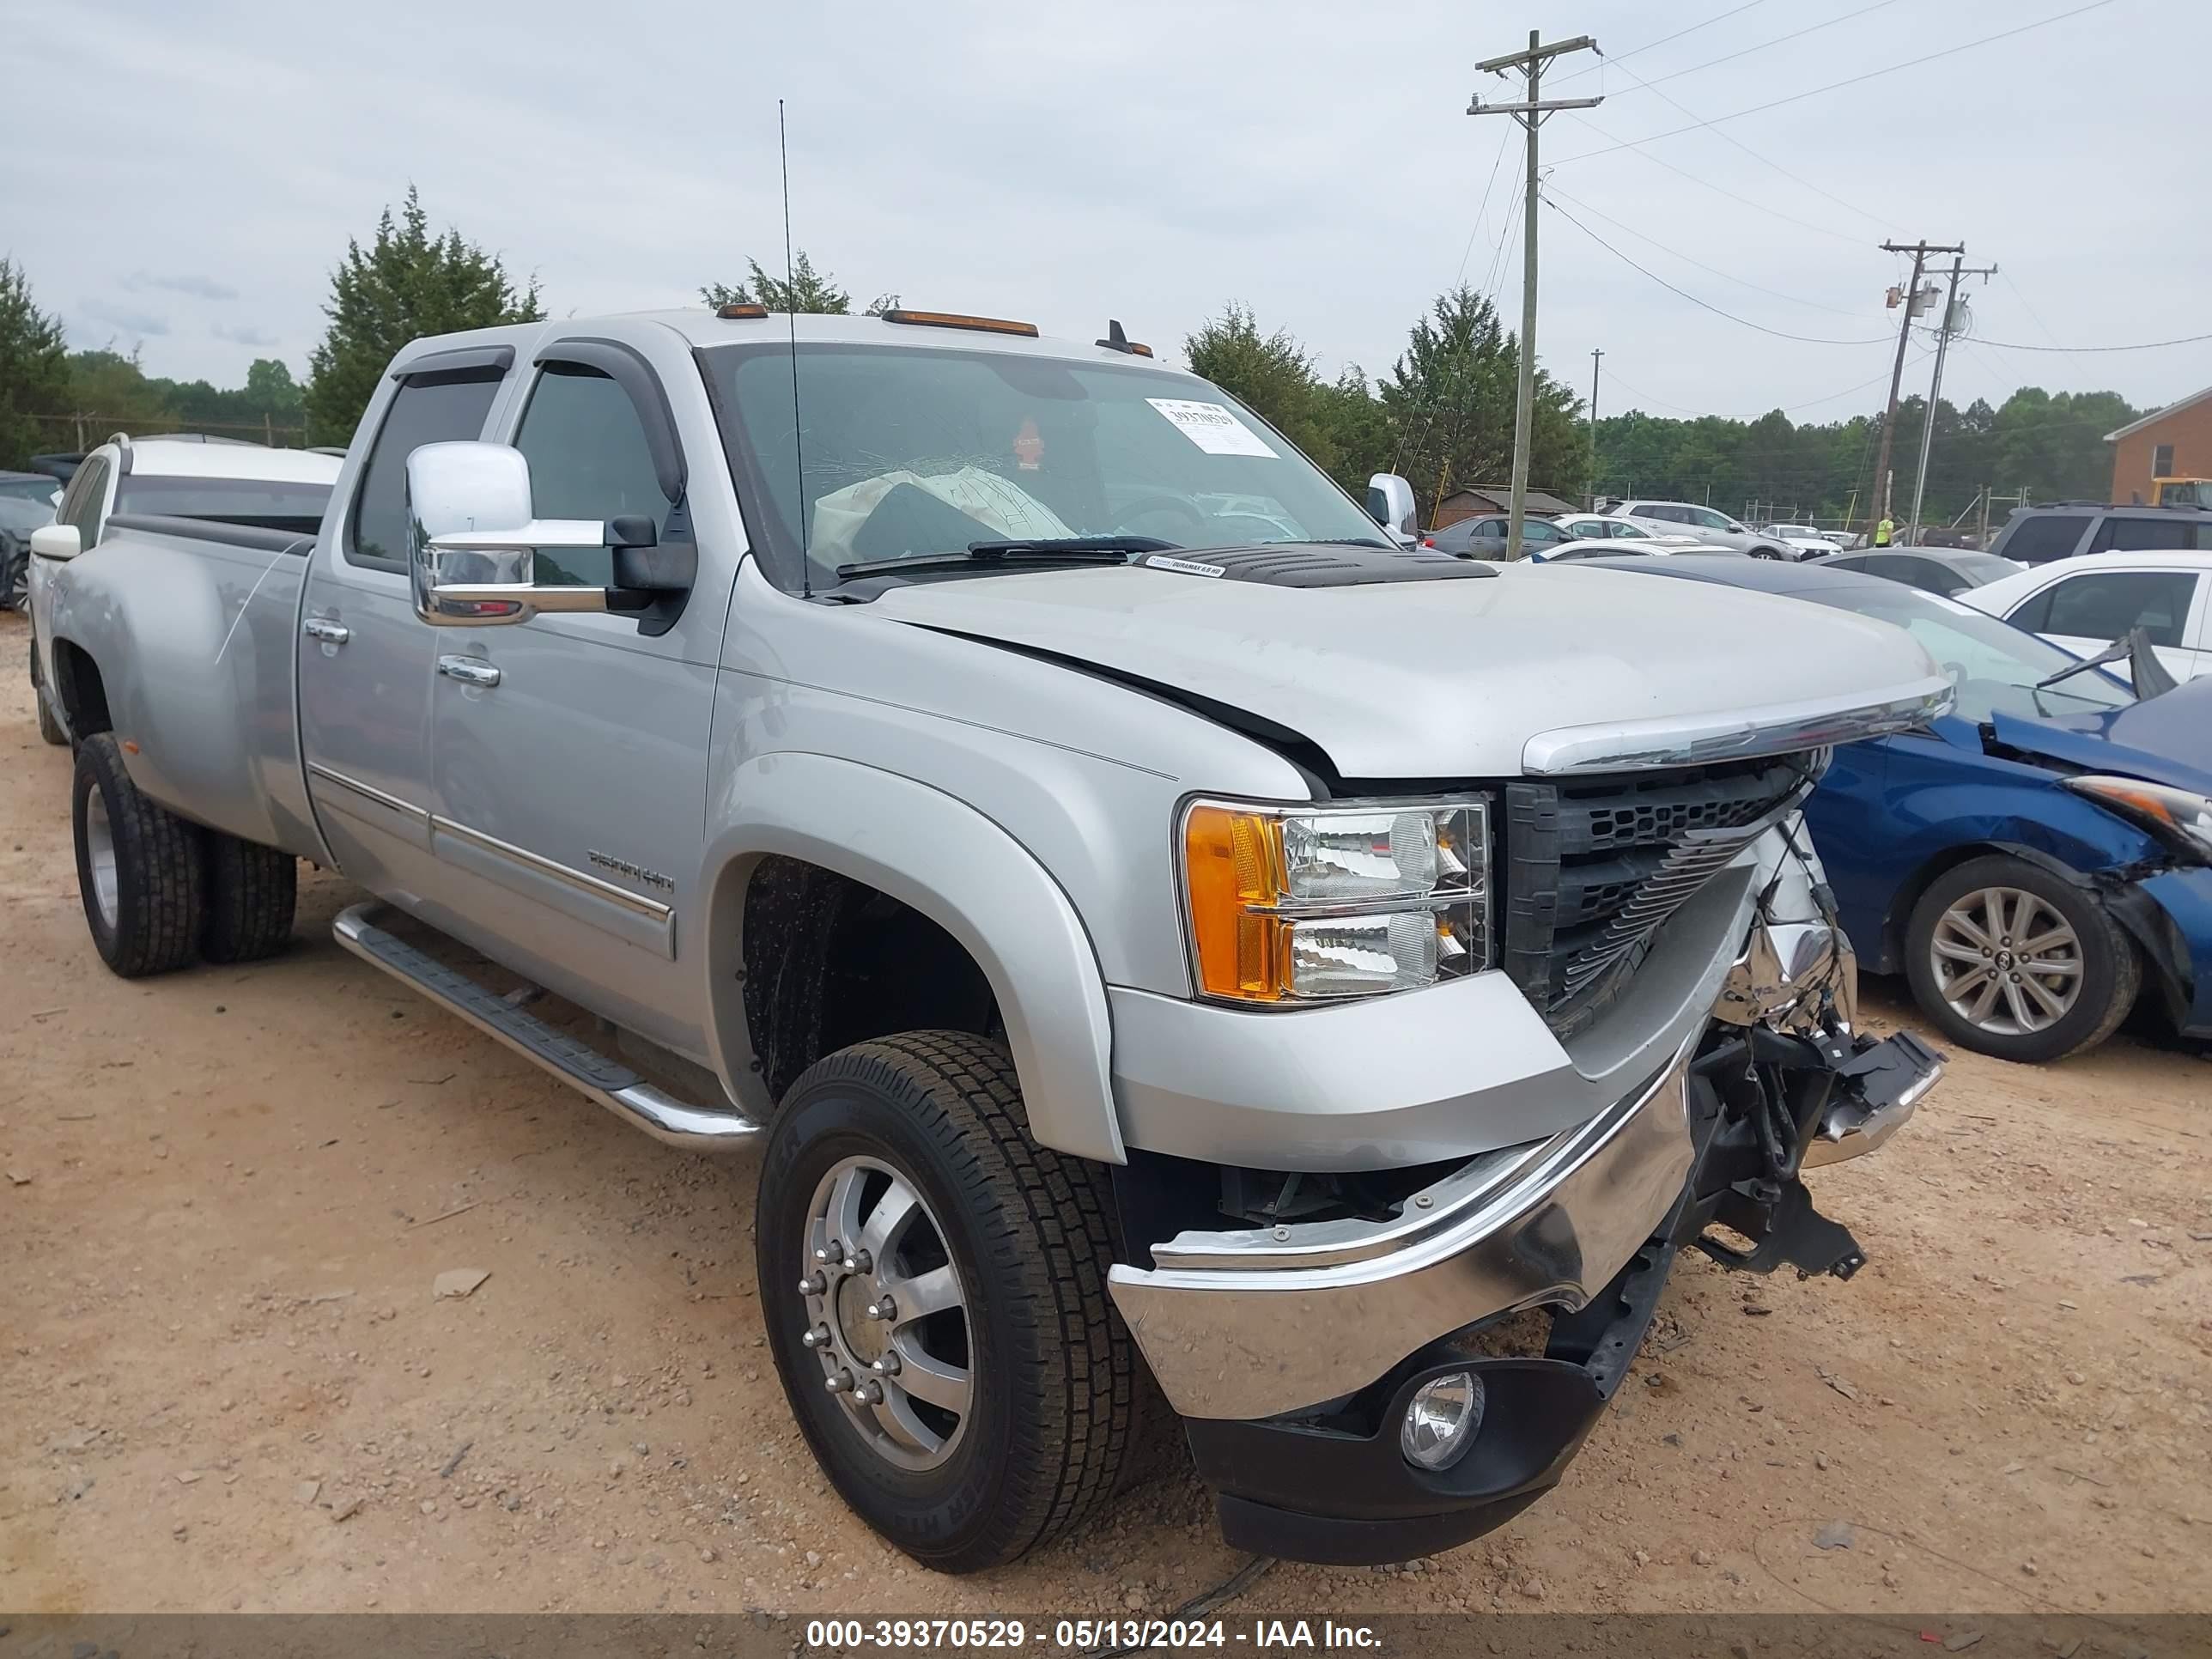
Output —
(1776, 293)
(1779, 334)
(1851, 80)
(1788, 218)
(1760, 156)
(1786, 409)
(1650, 45)
(2140, 346)
(1505, 140)
(2005, 276)
(1779, 39)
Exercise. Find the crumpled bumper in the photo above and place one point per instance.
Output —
(1251, 1324)
(1293, 1351)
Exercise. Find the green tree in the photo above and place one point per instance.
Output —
(407, 284)
(807, 290)
(112, 390)
(1272, 372)
(33, 369)
(1451, 395)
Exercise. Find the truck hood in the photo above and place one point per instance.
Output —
(2165, 739)
(1531, 670)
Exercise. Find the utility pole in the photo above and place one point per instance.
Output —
(1530, 113)
(1935, 381)
(1597, 355)
(1919, 251)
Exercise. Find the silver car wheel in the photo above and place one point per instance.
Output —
(100, 854)
(2006, 961)
(887, 1315)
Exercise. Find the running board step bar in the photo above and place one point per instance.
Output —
(614, 1085)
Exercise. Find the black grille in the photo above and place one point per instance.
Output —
(1594, 866)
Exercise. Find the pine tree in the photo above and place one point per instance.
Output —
(407, 285)
(807, 290)
(34, 368)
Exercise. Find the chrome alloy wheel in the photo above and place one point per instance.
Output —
(2006, 961)
(100, 854)
(886, 1314)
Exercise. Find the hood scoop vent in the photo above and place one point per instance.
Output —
(1318, 564)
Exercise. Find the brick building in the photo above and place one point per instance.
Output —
(2173, 442)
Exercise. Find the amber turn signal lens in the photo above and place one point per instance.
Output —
(1234, 861)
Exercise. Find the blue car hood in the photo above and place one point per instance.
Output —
(2165, 739)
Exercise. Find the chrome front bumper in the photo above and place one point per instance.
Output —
(1256, 1323)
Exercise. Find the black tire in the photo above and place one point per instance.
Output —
(252, 890)
(2110, 973)
(158, 869)
(1056, 1381)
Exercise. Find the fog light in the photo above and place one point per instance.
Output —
(1441, 1420)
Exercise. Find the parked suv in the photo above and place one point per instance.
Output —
(1709, 526)
(2059, 529)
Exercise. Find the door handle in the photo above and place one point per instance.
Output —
(469, 670)
(329, 632)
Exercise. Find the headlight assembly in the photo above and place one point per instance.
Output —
(1293, 905)
(2180, 820)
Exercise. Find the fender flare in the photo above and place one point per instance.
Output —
(948, 861)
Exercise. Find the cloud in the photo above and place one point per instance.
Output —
(124, 318)
(199, 288)
(242, 334)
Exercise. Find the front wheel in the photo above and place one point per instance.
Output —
(2011, 960)
(933, 1285)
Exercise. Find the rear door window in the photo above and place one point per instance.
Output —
(2105, 604)
(2044, 536)
(429, 409)
(2122, 534)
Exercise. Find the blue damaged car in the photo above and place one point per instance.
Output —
(2033, 861)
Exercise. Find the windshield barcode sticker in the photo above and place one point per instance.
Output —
(1189, 567)
(1213, 428)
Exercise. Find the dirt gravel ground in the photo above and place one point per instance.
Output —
(227, 1194)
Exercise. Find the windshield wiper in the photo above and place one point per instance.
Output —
(2147, 673)
(1042, 549)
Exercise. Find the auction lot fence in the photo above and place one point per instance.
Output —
(77, 431)
(1243, 1628)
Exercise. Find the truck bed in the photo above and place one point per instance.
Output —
(200, 666)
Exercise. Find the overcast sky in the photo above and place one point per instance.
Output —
(183, 178)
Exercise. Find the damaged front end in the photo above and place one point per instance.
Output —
(1518, 1290)
(1792, 1084)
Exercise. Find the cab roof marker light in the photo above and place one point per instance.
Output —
(741, 311)
(959, 319)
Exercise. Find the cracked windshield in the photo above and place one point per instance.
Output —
(911, 454)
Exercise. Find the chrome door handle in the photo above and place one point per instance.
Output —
(469, 670)
(329, 632)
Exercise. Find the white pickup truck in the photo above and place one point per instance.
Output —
(1160, 937)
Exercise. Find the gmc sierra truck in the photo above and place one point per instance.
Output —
(1168, 945)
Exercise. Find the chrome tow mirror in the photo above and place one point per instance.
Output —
(473, 540)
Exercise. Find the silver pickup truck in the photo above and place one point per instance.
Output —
(1165, 942)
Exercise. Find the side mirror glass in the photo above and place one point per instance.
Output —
(473, 539)
(57, 541)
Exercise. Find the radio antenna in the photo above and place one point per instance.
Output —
(790, 320)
